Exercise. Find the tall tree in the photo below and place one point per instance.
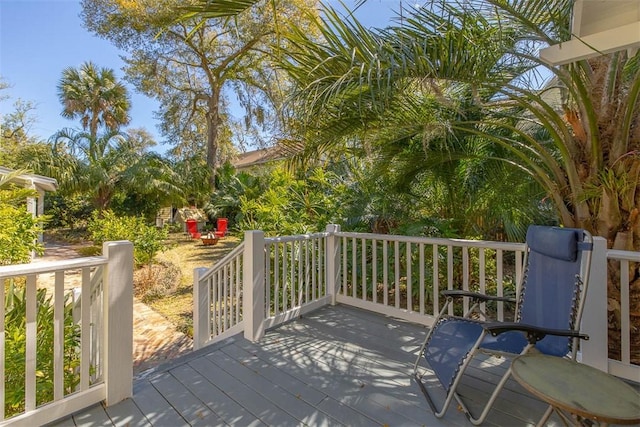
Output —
(578, 136)
(194, 67)
(95, 96)
(109, 163)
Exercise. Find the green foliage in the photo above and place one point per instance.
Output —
(15, 349)
(288, 205)
(18, 228)
(225, 202)
(147, 240)
(68, 211)
(95, 96)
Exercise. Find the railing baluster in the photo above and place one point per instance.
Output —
(276, 279)
(31, 337)
(345, 268)
(315, 251)
(436, 281)
(409, 280)
(385, 272)
(450, 273)
(396, 272)
(85, 327)
(465, 276)
(354, 272)
(374, 270)
(227, 296)
(267, 277)
(213, 301)
(300, 276)
(363, 261)
(499, 284)
(238, 290)
(220, 301)
(307, 272)
(285, 270)
(421, 299)
(58, 336)
(625, 325)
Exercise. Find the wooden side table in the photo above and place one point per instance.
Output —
(577, 389)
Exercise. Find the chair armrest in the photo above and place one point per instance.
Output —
(534, 333)
(475, 295)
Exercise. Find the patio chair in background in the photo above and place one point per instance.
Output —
(547, 317)
(192, 228)
(221, 227)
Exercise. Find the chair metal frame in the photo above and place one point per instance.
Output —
(533, 333)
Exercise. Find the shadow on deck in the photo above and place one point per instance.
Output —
(336, 366)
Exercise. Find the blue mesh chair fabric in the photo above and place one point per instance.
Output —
(549, 299)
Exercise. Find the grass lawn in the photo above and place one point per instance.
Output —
(187, 254)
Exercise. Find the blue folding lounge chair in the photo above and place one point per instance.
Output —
(547, 317)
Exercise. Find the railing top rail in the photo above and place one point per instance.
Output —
(235, 252)
(7, 271)
(297, 237)
(507, 246)
(623, 255)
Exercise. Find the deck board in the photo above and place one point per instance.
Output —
(334, 366)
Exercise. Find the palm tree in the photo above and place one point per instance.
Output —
(104, 165)
(578, 135)
(95, 96)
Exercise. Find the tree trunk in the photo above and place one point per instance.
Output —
(213, 121)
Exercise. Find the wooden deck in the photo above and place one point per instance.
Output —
(336, 366)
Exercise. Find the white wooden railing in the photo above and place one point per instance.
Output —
(291, 275)
(98, 365)
(277, 279)
(403, 276)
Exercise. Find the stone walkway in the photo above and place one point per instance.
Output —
(155, 339)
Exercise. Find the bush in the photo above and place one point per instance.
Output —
(68, 211)
(147, 240)
(18, 228)
(15, 349)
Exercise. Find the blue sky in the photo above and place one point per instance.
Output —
(40, 38)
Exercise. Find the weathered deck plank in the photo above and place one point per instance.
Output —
(335, 366)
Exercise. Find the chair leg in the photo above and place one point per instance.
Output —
(451, 392)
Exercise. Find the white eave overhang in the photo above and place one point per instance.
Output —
(39, 182)
(599, 27)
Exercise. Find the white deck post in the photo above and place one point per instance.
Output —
(333, 261)
(594, 318)
(253, 282)
(118, 321)
(201, 309)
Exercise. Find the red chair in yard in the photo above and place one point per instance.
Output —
(221, 227)
(192, 228)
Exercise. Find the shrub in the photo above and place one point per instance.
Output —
(15, 349)
(147, 240)
(18, 228)
(68, 211)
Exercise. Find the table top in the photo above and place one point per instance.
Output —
(578, 388)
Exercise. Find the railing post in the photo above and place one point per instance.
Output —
(253, 285)
(201, 309)
(594, 318)
(333, 261)
(118, 321)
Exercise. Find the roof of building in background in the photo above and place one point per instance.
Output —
(183, 214)
(40, 182)
(257, 157)
(265, 155)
